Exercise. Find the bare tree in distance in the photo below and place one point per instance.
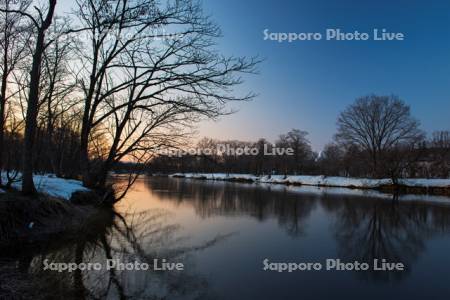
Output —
(330, 160)
(440, 153)
(303, 154)
(378, 124)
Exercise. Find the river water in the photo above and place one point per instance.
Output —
(222, 233)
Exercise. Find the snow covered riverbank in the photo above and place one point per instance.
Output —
(51, 185)
(343, 182)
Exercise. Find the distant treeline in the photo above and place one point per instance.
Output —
(431, 159)
(376, 137)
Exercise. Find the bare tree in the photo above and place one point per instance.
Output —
(441, 139)
(12, 51)
(378, 124)
(440, 153)
(150, 70)
(331, 160)
(261, 164)
(58, 103)
(297, 140)
(40, 25)
(208, 163)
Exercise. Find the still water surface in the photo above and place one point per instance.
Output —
(223, 231)
(237, 226)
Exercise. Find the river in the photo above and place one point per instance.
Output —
(222, 233)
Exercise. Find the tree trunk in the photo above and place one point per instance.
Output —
(31, 118)
(2, 108)
(84, 157)
(2, 134)
(374, 164)
(86, 129)
(28, 187)
(86, 124)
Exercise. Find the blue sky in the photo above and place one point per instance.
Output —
(305, 84)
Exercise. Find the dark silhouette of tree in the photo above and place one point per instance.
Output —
(439, 154)
(150, 71)
(376, 125)
(13, 49)
(41, 23)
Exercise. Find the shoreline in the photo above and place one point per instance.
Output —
(32, 227)
(404, 186)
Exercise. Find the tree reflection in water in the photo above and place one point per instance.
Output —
(368, 229)
(227, 199)
(128, 237)
(364, 227)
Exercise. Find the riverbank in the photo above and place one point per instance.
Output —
(60, 206)
(31, 226)
(407, 185)
(28, 220)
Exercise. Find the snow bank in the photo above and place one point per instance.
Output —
(426, 183)
(217, 176)
(327, 181)
(51, 185)
(343, 182)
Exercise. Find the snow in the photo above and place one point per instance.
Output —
(343, 182)
(422, 182)
(216, 176)
(358, 187)
(52, 186)
(327, 181)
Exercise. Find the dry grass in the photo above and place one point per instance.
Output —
(54, 224)
(33, 219)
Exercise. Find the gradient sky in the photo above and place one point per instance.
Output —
(306, 84)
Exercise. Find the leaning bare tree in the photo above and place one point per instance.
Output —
(378, 124)
(151, 70)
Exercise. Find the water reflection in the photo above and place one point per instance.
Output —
(128, 237)
(364, 228)
(160, 216)
(211, 199)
